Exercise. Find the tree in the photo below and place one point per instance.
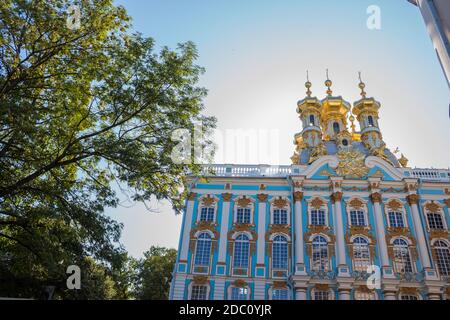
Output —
(154, 274)
(79, 110)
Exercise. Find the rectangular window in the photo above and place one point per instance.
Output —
(435, 221)
(207, 214)
(396, 220)
(243, 215)
(279, 216)
(409, 297)
(321, 295)
(357, 218)
(318, 217)
(199, 292)
(239, 293)
(279, 294)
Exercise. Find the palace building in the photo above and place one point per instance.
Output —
(348, 220)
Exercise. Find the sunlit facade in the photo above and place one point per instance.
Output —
(346, 212)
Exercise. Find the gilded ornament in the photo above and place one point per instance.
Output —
(322, 287)
(239, 283)
(227, 186)
(191, 196)
(375, 197)
(325, 173)
(447, 202)
(377, 174)
(280, 203)
(351, 164)
(262, 197)
(279, 285)
(208, 201)
(317, 152)
(394, 205)
(226, 197)
(298, 196)
(262, 187)
(412, 199)
(432, 207)
(317, 203)
(336, 197)
(403, 161)
(356, 203)
(243, 202)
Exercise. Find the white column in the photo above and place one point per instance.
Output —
(179, 284)
(344, 295)
(390, 295)
(421, 241)
(260, 243)
(224, 227)
(340, 240)
(260, 290)
(300, 293)
(187, 227)
(380, 230)
(299, 254)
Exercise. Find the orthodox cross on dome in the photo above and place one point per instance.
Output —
(362, 85)
(328, 84)
(308, 85)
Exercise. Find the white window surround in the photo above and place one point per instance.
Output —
(328, 240)
(191, 284)
(200, 206)
(211, 254)
(369, 243)
(323, 207)
(230, 288)
(400, 295)
(433, 248)
(250, 240)
(402, 210)
(440, 212)
(251, 206)
(287, 208)
(349, 208)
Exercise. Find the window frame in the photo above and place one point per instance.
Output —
(436, 256)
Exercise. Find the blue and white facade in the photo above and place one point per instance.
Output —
(347, 220)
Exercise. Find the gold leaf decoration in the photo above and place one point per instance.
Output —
(351, 164)
(394, 205)
(208, 201)
(280, 203)
(432, 207)
(356, 203)
(317, 203)
(243, 202)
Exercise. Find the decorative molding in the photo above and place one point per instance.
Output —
(239, 283)
(208, 201)
(432, 207)
(408, 290)
(447, 203)
(356, 203)
(279, 285)
(262, 187)
(322, 287)
(227, 186)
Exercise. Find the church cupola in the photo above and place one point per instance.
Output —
(309, 110)
(366, 112)
(334, 114)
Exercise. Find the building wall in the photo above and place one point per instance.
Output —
(375, 196)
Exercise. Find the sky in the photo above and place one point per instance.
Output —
(256, 53)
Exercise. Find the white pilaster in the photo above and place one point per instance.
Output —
(260, 243)
(298, 235)
(219, 289)
(380, 230)
(260, 290)
(344, 295)
(300, 293)
(178, 286)
(340, 240)
(224, 228)
(187, 227)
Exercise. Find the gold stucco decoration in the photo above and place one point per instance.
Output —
(243, 202)
(280, 203)
(432, 207)
(356, 203)
(262, 197)
(298, 196)
(208, 201)
(394, 205)
(226, 197)
(317, 203)
(239, 283)
(200, 280)
(351, 164)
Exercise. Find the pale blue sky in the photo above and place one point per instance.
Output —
(256, 52)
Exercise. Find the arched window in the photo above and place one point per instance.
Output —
(203, 250)
(199, 292)
(361, 254)
(207, 214)
(280, 216)
(280, 294)
(364, 295)
(280, 253)
(435, 220)
(402, 257)
(357, 218)
(311, 120)
(318, 217)
(319, 254)
(370, 121)
(241, 251)
(396, 219)
(442, 254)
(336, 128)
(243, 215)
